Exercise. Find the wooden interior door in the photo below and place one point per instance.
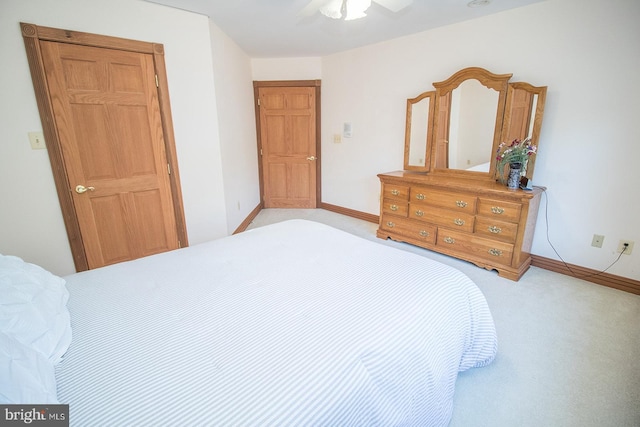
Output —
(289, 158)
(520, 115)
(442, 136)
(109, 126)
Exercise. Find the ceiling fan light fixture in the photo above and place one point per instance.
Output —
(356, 9)
(347, 9)
(333, 9)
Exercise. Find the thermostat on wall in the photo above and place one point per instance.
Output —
(346, 130)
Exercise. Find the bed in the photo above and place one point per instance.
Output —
(291, 324)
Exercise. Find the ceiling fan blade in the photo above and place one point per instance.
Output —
(394, 5)
(312, 7)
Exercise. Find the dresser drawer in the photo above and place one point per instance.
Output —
(395, 207)
(414, 229)
(486, 249)
(501, 210)
(394, 191)
(452, 219)
(462, 202)
(494, 229)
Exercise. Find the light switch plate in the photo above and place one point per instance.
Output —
(37, 141)
(346, 130)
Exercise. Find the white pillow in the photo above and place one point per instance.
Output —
(26, 376)
(33, 308)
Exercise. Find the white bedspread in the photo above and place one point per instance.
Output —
(292, 324)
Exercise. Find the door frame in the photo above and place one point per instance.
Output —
(257, 84)
(32, 35)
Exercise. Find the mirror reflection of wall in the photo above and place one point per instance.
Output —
(470, 144)
(418, 132)
(534, 104)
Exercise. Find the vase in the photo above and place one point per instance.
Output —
(515, 170)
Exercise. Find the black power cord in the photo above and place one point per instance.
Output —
(573, 273)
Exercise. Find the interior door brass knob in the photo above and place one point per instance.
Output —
(82, 189)
(311, 158)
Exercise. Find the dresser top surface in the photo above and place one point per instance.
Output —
(450, 182)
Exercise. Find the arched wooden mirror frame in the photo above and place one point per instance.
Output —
(520, 106)
(497, 82)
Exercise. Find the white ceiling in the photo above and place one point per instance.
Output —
(275, 28)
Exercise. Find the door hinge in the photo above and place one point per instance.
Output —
(258, 102)
(169, 168)
(157, 83)
(261, 151)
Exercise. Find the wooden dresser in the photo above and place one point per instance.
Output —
(483, 222)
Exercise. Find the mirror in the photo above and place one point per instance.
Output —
(523, 115)
(418, 130)
(471, 119)
(466, 119)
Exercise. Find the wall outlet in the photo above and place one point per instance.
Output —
(629, 248)
(597, 241)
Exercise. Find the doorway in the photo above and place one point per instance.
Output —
(288, 128)
(106, 117)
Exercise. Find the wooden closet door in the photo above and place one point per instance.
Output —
(520, 118)
(108, 121)
(288, 137)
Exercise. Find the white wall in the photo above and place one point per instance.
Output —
(585, 51)
(31, 224)
(307, 68)
(237, 123)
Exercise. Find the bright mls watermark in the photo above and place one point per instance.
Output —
(36, 415)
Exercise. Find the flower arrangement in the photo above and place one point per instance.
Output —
(518, 151)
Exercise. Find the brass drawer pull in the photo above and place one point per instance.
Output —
(495, 230)
(449, 240)
(390, 224)
(419, 213)
(394, 207)
(420, 196)
(495, 252)
(461, 204)
(395, 192)
(424, 233)
(497, 210)
(458, 221)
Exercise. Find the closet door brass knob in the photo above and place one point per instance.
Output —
(82, 189)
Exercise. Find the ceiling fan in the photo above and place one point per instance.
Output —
(349, 9)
